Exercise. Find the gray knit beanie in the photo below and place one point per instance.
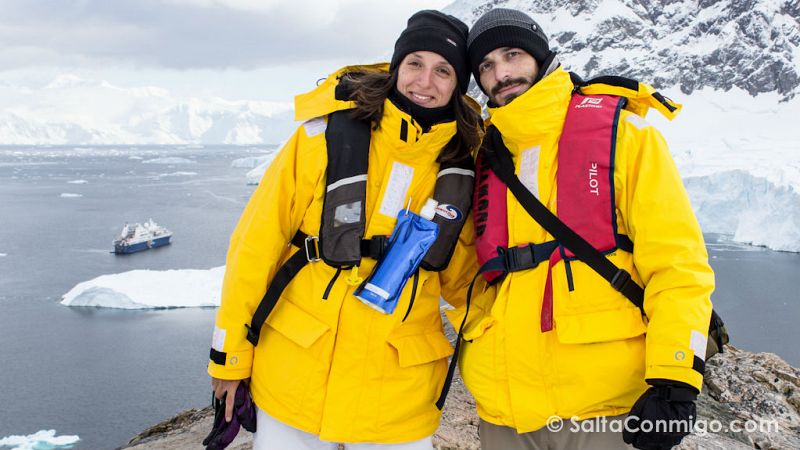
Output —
(502, 27)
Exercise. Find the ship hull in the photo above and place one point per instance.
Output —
(124, 249)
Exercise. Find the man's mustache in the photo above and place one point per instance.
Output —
(506, 83)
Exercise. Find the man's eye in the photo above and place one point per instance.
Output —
(512, 54)
(484, 67)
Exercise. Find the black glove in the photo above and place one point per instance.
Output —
(668, 407)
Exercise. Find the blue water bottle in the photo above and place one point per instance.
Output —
(412, 237)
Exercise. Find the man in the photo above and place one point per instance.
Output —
(556, 341)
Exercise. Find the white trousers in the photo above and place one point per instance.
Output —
(274, 435)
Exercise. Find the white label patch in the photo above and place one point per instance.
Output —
(637, 121)
(698, 343)
(529, 170)
(396, 189)
(315, 126)
(218, 341)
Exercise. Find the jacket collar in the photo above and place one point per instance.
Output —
(540, 110)
(400, 131)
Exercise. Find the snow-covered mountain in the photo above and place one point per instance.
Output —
(71, 110)
(733, 64)
(750, 44)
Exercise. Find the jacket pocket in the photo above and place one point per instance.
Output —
(600, 326)
(299, 326)
(421, 348)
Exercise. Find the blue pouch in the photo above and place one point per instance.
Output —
(413, 235)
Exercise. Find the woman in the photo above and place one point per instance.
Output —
(328, 368)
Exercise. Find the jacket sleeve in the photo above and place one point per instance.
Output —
(258, 246)
(669, 255)
(463, 265)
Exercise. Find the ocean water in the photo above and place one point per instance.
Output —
(106, 375)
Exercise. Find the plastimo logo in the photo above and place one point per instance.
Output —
(590, 102)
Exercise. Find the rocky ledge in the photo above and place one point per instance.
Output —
(756, 394)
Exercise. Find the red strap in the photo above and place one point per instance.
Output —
(546, 320)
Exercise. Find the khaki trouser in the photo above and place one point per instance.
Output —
(590, 434)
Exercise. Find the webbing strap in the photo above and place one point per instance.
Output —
(451, 369)
(282, 279)
(309, 252)
(503, 166)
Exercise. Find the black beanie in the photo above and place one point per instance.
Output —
(436, 32)
(501, 27)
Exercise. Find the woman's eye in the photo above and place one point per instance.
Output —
(443, 71)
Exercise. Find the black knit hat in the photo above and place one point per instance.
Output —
(501, 27)
(436, 32)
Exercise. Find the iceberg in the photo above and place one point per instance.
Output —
(70, 195)
(44, 439)
(77, 182)
(149, 289)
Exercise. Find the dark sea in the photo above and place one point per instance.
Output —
(105, 375)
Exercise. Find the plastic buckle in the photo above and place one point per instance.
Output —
(620, 280)
(377, 245)
(316, 257)
(510, 258)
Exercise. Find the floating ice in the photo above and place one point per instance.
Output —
(41, 440)
(168, 160)
(77, 182)
(149, 289)
(177, 174)
(251, 162)
(3, 254)
(70, 195)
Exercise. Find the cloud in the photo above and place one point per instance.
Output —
(198, 34)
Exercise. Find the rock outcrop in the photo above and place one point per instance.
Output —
(750, 400)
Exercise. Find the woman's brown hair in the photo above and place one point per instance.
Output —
(369, 91)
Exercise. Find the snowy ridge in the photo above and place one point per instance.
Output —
(70, 110)
(750, 44)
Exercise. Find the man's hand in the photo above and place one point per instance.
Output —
(222, 387)
(669, 408)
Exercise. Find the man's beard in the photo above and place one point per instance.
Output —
(509, 82)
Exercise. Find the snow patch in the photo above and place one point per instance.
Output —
(149, 289)
(70, 195)
(44, 439)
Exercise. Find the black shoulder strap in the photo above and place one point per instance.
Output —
(503, 166)
(343, 219)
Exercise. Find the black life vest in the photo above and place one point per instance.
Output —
(341, 242)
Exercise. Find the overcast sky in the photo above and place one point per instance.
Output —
(237, 49)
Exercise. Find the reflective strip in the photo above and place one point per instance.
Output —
(345, 181)
(698, 343)
(456, 171)
(218, 340)
(376, 290)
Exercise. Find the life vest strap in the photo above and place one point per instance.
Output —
(308, 253)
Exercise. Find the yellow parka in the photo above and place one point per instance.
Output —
(596, 359)
(336, 367)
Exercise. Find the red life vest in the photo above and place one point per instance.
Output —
(585, 189)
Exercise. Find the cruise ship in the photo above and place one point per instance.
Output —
(136, 237)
